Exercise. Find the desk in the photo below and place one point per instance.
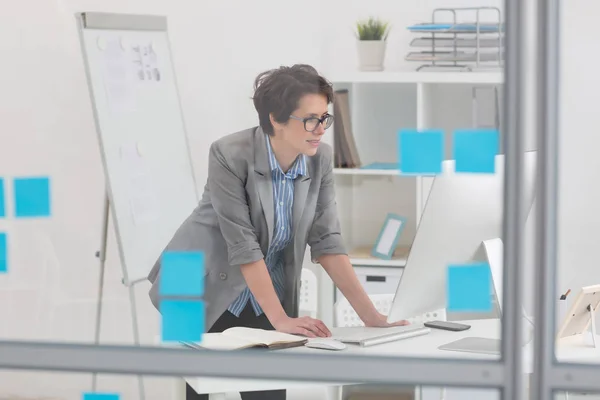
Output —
(425, 346)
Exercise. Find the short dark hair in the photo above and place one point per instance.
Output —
(278, 92)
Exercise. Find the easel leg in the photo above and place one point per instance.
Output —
(101, 254)
(136, 335)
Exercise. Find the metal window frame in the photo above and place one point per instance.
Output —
(550, 376)
(505, 374)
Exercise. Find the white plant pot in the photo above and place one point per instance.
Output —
(371, 54)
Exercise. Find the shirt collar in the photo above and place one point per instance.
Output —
(298, 168)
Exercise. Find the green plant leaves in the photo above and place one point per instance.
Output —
(372, 29)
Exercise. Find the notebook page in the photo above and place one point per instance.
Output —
(262, 336)
(219, 341)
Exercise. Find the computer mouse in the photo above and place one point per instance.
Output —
(325, 344)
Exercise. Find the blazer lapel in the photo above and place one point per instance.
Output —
(301, 186)
(264, 184)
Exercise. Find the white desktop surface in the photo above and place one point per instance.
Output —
(426, 346)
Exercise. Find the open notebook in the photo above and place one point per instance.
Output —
(238, 338)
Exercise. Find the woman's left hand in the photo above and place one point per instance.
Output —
(380, 321)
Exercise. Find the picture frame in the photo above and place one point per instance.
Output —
(581, 315)
(388, 238)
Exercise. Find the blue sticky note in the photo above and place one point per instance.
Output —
(101, 396)
(182, 273)
(32, 197)
(2, 201)
(421, 152)
(474, 150)
(3, 253)
(469, 288)
(182, 320)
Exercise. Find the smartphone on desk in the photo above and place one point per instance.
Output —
(447, 326)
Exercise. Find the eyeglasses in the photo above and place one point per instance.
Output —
(311, 123)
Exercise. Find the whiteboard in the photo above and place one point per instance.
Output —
(149, 176)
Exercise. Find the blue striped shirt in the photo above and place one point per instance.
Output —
(283, 200)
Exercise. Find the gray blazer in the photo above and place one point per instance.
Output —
(233, 224)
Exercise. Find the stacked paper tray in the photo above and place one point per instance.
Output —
(451, 56)
(467, 41)
(471, 27)
(484, 43)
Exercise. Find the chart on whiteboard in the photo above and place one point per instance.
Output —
(146, 62)
(143, 200)
(127, 65)
(118, 82)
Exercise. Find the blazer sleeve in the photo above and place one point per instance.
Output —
(325, 235)
(228, 197)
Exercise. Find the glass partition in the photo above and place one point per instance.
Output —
(397, 231)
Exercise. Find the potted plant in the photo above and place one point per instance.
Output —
(372, 35)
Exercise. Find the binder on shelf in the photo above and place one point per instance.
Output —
(345, 152)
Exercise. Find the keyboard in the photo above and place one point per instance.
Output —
(367, 336)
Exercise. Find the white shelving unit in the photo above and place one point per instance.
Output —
(381, 104)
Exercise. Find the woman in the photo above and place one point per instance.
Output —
(269, 194)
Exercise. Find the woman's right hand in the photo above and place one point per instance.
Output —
(305, 326)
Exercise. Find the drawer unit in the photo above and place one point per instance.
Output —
(376, 280)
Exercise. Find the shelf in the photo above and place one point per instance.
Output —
(359, 171)
(377, 172)
(492, 76)
(362, 257)
(377, 262)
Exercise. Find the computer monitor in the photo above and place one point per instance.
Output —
(462, 211)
